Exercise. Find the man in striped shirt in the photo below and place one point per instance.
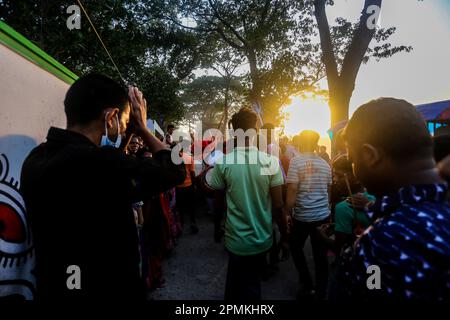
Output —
(309, 178)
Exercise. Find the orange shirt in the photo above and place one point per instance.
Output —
(189, 164)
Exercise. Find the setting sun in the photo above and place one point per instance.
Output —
(308, 114)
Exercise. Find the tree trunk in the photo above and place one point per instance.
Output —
(225, 120)
(255, 93)
(341, 85)
(340, 102)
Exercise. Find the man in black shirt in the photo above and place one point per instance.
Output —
(79, 189)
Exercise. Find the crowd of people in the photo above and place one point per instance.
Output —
(115, 206)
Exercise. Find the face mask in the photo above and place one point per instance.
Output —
(105, 139)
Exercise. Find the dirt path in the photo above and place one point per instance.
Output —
(197, 269)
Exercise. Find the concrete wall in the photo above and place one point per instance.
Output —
(31, 100)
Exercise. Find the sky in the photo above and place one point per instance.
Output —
(420, 76)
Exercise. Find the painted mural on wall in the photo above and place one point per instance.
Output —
(17, 258)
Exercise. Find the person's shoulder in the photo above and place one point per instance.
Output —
(38, 149)
(271, 160)
(265, 155)
(36, 155)
(423, 218)
(298, 162)
(298, 159)
(343, 207)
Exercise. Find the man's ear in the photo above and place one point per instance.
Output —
(110, 114)
(371, 155)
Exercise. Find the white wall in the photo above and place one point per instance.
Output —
(31, 100)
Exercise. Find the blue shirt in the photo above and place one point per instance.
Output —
(409, 241)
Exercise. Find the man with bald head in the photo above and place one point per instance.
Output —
(392, 155)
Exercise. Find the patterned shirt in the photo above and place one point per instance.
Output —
(409, 241)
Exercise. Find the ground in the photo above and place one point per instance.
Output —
(196, 270)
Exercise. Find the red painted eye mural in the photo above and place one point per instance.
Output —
(16, 247)
(11, 226)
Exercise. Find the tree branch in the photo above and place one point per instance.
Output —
(187, 27)
(358, 47)
(264, 12)
(228, 40)
(218, 71)
(328, 56)
(227, 24)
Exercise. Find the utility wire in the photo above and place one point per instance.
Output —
(101, 41)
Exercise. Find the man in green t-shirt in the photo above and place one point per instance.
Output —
(252, 181)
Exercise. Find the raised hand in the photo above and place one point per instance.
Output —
(138, 108)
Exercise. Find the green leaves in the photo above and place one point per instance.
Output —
(146, 50)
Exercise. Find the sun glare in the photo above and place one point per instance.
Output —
(307, 114)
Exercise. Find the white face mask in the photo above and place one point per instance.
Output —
(105, 139)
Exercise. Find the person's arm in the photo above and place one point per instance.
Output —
(278, 215)
(325, 233)
(219, 209)
(291, 195)
(218, 183)
(151, 175)
(139, 119)
(140, 216)
(292, 181)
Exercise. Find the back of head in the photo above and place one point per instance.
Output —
(244, 119)
(392, 125)
(308, 140)
(296, 141)
(343, 172)
(89, 96)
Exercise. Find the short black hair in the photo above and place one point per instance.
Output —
(308, 139)
(170, 126)
(343, 164)
(393, 125)
(244, 119)
(90, 95)
(296, 141)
